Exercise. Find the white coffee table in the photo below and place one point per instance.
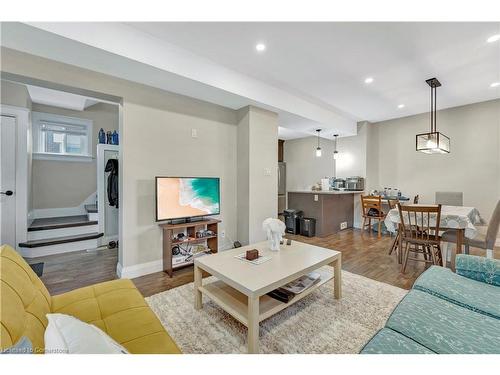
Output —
(241, 287)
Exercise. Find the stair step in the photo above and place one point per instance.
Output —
(91, 208)
(60, 240)
(60, 222)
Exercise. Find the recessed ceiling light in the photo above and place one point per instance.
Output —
(369, 80)
(495, 84)
(401, 106)
(260, 47)
(493, 38)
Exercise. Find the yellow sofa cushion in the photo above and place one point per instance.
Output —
(117, 307)
(24, 301)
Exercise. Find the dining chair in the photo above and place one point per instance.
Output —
(482, 241)
(418, 235)
(449, 198)
(415, 199)
(372, 209)
(393, 203)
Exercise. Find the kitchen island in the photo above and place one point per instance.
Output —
(330, 208)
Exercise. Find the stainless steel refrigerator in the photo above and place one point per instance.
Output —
(281, 187)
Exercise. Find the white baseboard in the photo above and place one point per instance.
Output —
(119, 270)
(137, 270)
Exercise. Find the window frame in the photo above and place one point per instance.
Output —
(39, 118)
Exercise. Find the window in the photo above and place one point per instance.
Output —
(58, 137)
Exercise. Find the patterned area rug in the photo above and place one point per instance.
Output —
(316, 324)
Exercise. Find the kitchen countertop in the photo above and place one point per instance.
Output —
(326, 191)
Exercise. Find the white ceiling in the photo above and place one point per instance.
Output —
(122, 51)
(311, 74)
(328, 62)
(55, 98)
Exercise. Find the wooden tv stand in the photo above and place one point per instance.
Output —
(190, 228)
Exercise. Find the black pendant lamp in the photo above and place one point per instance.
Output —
(318, 149)
(433, 142)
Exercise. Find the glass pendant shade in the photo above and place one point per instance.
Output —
(335, 152)
(433, 143)
(318, 149)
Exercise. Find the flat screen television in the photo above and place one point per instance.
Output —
(187, 197)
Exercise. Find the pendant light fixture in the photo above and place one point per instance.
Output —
(433, 142)
(335, 152)
(318, 149)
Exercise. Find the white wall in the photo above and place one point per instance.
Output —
(58, 184)
(263, 177)
(156, 140)
(257, 171)
(243, 175)
(473, 165)
(386, 152)
(15, 101)
(304, 169)
(17, 95)
(14, 94)
(162, 146)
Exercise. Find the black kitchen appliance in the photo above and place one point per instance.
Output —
(292, 220)
(308, 226)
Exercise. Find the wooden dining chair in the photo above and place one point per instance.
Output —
(372, 209)
(418, 236)
(393, 203)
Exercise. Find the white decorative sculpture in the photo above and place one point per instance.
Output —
(275, 229)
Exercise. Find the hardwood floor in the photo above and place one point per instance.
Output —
(361, 254)
(65, 272)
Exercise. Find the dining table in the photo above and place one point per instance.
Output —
(459, 218)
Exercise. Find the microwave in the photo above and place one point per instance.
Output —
(355, 183)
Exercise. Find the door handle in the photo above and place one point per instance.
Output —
(7, 192)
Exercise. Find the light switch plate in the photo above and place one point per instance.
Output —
(194, 133)
(316, 197)
(267, 172)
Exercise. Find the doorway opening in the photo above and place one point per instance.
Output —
(70, 222)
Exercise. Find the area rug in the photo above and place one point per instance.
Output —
(316, 324)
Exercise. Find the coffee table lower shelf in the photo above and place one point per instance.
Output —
(236, 303)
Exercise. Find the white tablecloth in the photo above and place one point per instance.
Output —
(452, 217)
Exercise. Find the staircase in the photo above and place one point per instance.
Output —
(55, 235)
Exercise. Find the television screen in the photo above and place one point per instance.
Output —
(184, 197)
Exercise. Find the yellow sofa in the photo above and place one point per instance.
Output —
(116, 307)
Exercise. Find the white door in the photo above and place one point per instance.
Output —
(8, 180)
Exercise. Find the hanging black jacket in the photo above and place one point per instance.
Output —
(112, 167)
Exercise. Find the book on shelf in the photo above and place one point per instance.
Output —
(287, 292)
(297, 286)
